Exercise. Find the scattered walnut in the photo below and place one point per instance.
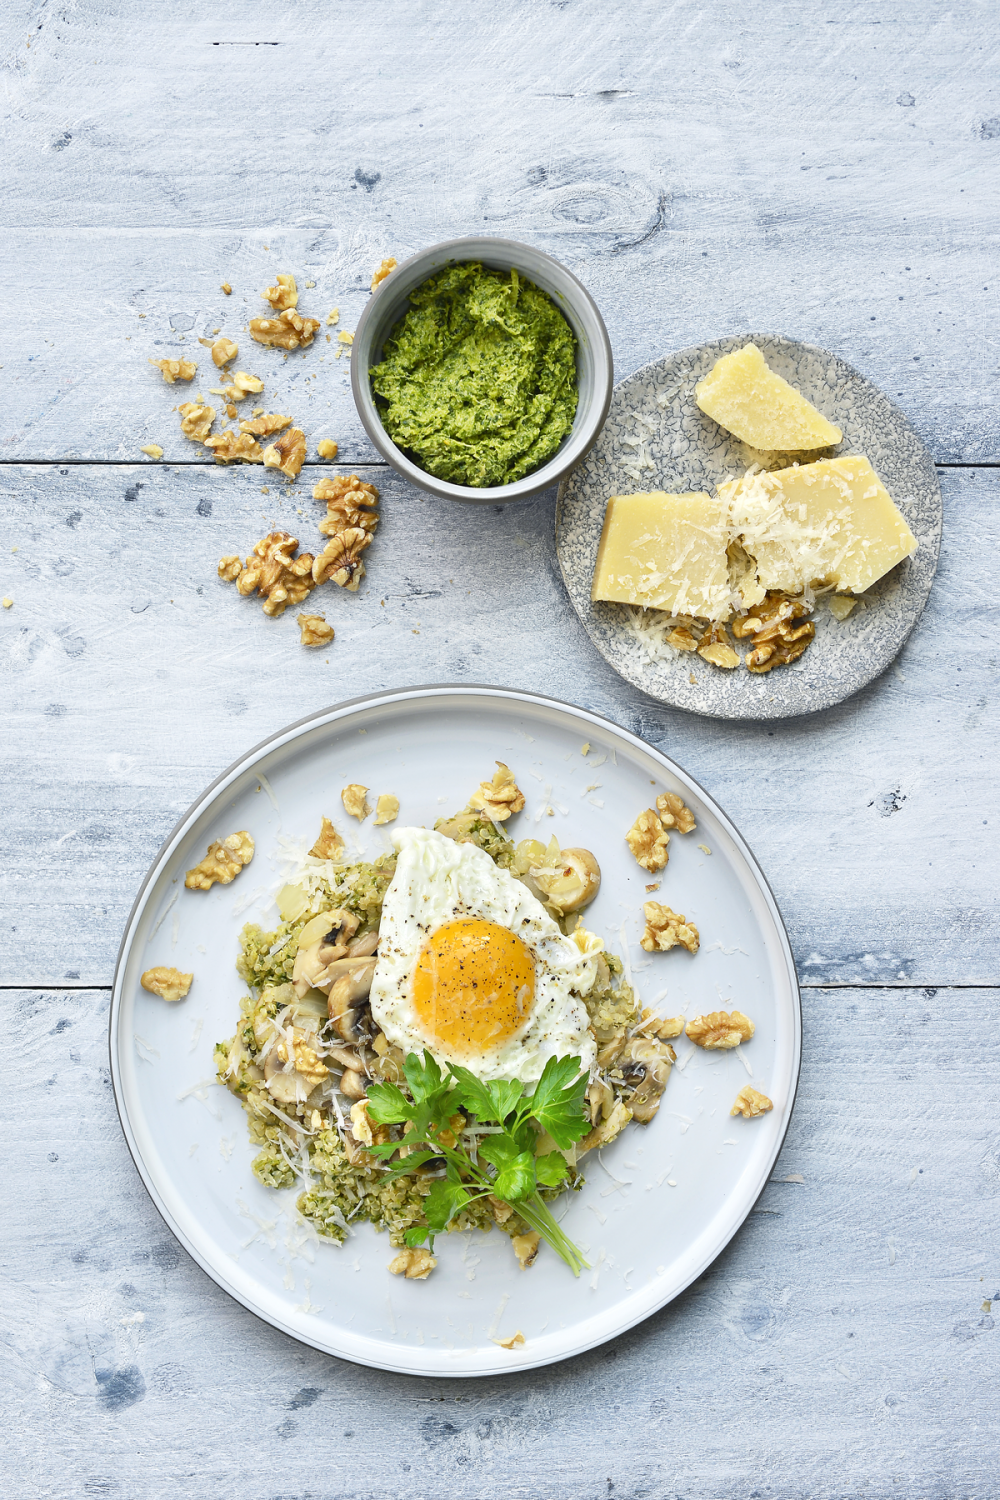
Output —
(264, 426)
(349, 503)
(288, 454)
(244, 384)
(673, 813)
(230, 567)
(516, 1340)
(648, 840)
(289, 330)
(340, 560)
(175, 369)
(384, 270)
(285, 294)
(228, 446)
(415, 1265)
(681, 639)
(777, 640)
(345, 338)
(153, 449)
(665, 929)
(499, 797)
(7, 602)
(720, 1030)
(715, 647)
(841, 606)
(223, 862)
(355, 803)
(227, 288)
(326, 448)
(333, 316)
(750, 1103)
(314, 631)
(273, 572)
(670, 1027)
(196, 420)
(169, 984)
(223, 351)
(386, 809)
(329, 845)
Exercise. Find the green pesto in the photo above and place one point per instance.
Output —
(478, 379)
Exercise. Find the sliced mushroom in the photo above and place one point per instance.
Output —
(646, 1065)
(353, 1084)
(346, 1057)
(602, 1134)
(345, 993)
(572, 882)
(364, 946)
(601, 1101)
(334, 942)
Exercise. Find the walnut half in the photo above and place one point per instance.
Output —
(673, 813)
(720, 1030)
(223, 862)
(287, 454)
(777, 638)
(273, 572)
(340, 560)
(750, 1103)
(169, 984)
(314, 630)
(648, 840)
(415, 1265)
(666, 930)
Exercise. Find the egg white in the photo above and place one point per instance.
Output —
(439, 881)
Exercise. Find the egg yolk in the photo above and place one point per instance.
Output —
(473, 986)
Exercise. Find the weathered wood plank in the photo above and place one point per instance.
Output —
(857, 1299)
(134, 676)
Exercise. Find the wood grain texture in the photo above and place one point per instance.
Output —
(843, 1345)
(135, 676)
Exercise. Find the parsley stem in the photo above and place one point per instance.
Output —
(534, 1212)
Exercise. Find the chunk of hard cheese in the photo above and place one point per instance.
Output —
(665, 552)
(828, 522)
(759, 407)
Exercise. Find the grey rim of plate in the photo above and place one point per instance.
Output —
(688, 451)
(248, 774)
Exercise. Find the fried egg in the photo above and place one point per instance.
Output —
(472, 968)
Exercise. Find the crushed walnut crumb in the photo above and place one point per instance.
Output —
(314, 631)
(715, 647)
(170, 984)
(648, 840)
(333, 316)
(153, 449)
(720, 1030)
(384, 270)
(223, 862)
(666, 929)
(326, 448)
(175, 369)
(750, 1103)
(227, 288)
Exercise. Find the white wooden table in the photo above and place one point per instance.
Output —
(830, 174)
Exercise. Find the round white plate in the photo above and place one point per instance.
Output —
(664, 1199)
(686, 450)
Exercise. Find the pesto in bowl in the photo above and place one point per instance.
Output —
(477, 381)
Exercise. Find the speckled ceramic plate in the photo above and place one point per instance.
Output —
(688, 451)
(659, 1203)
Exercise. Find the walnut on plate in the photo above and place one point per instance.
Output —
(516, 1340)
(314, 630)
(284, 295)
(196, 420)
(499, 797)
(665, 929)
(264, 426)
(329, 845)
(715, 647)
(683, 637)
(224, 351)
(720, 1030)
(350, 503)
(355, 802)
(415, 1265)
(673, 813)
(272, 570)
(750, 1103)
(384, 270)
(223, 862)
(289, 330)
(175, 369)
(340, 560)
(168, 983)
(777, 638)
(287, 454)
(229, 446)
(648, 840)
(525, 1247)
(386, 809)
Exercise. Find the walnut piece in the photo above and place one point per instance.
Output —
(175, 369)
(228, 446)
(169, 984)
(224, 351)
(665, 929)
(777, 639)
(353, 798)
(329, 845)
(682, 639)
(288, 454)
(273, 572)
(314, 631)
(526, 1249)
(264, 426)
(386, 809)
(715, 647)
(226, 288)
(500, 797)
(244, 384)
(223, 862)
(285, 294)
(384, 270)
(326, 448)
(840, 606)
(196, 420)
(230, 567)
(415, 1265)
(340, 560)
(516, 1340)
(750, 1103)
(720, 1030)
(673, 813)
(153, 449)
(648, 840)
(669, 1027)
(349, 504)
(289, 330)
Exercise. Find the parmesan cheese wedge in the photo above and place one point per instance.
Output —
(759, 407)
(665, 552)
(828, 522)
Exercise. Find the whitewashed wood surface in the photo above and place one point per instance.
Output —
(832, 175)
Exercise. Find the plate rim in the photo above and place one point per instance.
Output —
(744, 718)
(244, 762)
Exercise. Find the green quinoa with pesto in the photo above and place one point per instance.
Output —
(477, 381)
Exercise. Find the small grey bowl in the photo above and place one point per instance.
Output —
(594, 370)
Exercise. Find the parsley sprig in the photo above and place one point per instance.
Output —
(504, 1162)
